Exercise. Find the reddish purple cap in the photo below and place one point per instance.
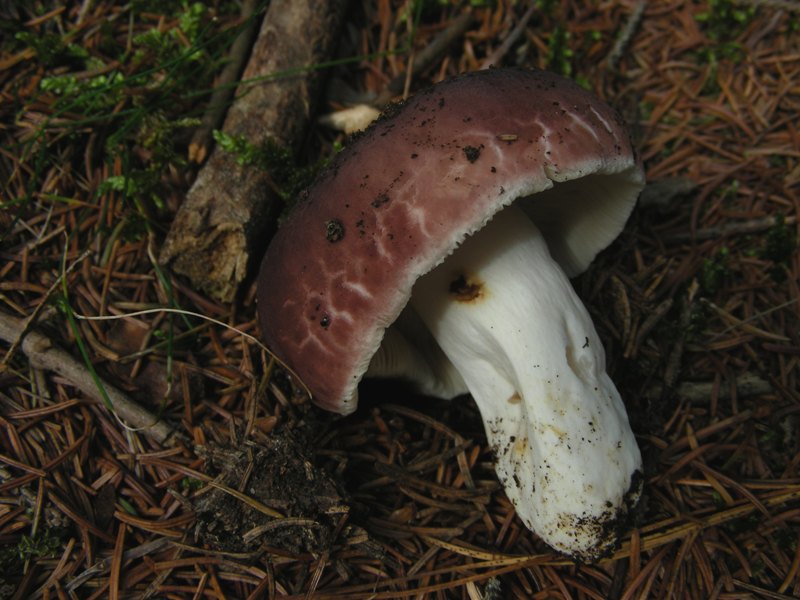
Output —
(398, 200)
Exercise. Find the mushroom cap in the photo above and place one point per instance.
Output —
(397, 201)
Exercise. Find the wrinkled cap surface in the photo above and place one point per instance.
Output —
(398, 200)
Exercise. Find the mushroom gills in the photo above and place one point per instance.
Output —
(408, 352)
(509, 323)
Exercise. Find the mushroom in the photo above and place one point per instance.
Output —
(437, 248)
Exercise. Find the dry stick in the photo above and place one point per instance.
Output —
(625, 35)
(221, 97)
(43, 354)
(427, 56)
(30, 321)
(219, 229)
(104, 564)
(512, 37)
(673, 364)
(665, 195)
(747, 384)
(736, 228)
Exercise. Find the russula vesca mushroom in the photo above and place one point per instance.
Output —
(406, 258)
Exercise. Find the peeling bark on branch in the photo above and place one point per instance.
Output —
(219, 228)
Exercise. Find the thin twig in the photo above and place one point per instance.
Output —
(428, 56)
(512, 37)
(43, 354)
(674, 362)
(728, 228)
(747, 384)
(224, 89)
(626, 35)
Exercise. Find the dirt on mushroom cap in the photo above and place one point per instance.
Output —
(442, 164)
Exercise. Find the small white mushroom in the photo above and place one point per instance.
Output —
(351, 119)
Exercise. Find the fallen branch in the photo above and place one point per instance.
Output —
(45, 355)
(219, 229)
(729, 228)
(746, 385)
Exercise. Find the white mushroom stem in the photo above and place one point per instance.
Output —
(509, 321)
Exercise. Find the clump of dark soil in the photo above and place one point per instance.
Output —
(277, 473)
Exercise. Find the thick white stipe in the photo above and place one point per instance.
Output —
(509, 321)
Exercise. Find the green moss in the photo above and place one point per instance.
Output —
(723, 22)
(44, 544)
(190, 484)
(725, 19)
(141, 183)
(288, 178)
(52, 49)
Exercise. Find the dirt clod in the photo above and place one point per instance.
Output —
(279, 475)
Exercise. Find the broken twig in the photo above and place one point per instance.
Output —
(43, 354)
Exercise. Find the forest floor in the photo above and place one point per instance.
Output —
(245, 489)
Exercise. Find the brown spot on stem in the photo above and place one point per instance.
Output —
(466, 289)
(515, 398)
